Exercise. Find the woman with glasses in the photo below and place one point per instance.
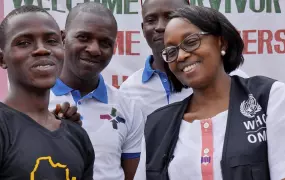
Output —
(230, 128)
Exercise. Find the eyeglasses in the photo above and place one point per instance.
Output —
(189, 44)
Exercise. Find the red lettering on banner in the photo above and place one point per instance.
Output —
(262, 40)
(245, 35)
(129, 43)
(265, 41)
(280, 39)
(124, 43)
(120, 43)
(115, 80)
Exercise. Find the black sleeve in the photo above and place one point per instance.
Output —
(89, 161)
(4, 141)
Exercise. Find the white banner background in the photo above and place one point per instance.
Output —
(263, 33)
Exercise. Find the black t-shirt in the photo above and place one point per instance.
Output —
(28, 151)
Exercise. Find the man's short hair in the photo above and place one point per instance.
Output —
(187, 2)
(89, 7)
(15, 12)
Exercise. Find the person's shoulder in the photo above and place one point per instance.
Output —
(240, 73)
(77, 135)
(276, 103)
(125, 102)
(4, 115)
(168, 107)
(77, 132)
(279, 84)
(127, 107)
(133, 80)
(164, 119)
(255, 81)
(278, 88)
(265, 87)
(115, 96)
(3, 110)
(164, 113)
(137, 75)
(74, 128)
(7, 113)
(10, 120)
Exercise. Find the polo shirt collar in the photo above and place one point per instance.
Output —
(148, 70)
(100, 93)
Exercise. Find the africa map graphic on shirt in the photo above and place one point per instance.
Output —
(53, 165)
(113, 118)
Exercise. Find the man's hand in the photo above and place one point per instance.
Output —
(65, 111)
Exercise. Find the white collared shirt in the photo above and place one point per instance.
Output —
(113, 122)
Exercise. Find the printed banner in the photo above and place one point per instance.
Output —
(260, 23)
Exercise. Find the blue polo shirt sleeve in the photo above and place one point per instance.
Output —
(132, 146)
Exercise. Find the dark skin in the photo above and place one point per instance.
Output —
(65, 111)
(130, 167)
(89, 43)
(155, 15)
(210, 82)
(90, 38)
(32, 58)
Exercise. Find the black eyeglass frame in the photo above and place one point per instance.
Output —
(164, 51)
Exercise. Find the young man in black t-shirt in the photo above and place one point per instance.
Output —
(34, 145)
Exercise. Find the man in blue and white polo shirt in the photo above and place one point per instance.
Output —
(150, 85)
(114, 123)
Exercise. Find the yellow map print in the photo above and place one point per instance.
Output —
(54, 165)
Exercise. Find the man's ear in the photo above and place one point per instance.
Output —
(2, 63)
(142, 29)
(63, 36)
